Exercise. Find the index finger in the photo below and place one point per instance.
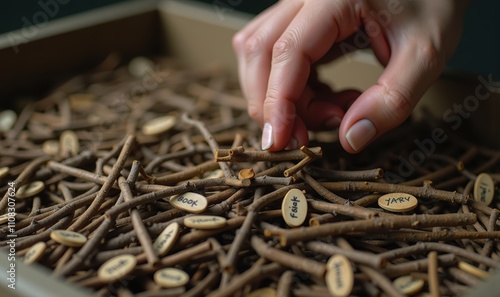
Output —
(308, 37)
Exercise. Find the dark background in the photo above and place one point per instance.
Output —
(478, 52)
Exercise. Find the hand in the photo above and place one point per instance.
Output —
(278, 50)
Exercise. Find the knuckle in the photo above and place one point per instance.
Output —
(430, 57)
(284, 48)
(239, 40)
(254, 44)
(398, 104)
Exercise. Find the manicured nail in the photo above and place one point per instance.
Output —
(292, 145)
(333, 123)
(360, 134)
(267, 136)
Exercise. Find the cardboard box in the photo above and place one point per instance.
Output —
(70, 45)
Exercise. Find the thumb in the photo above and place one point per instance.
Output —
(390, 101)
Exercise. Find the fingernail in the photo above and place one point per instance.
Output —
(360, 134)
(333, 123)
(292, 145)
(267, 136)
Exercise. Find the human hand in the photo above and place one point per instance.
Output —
(278, 50)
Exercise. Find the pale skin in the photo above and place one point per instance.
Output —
(278, 50)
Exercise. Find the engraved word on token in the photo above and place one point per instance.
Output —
(262, 292)
(171, 277)
(471, 269)
(116, 268)
(408, 285)
(484, 188)
(68, 238)
(166, 239)
(5, 217)
(159, 125)
(190, 202)
(7, 119)
(30, 189)
(51, 147)
(294, 208)
(70, 145)
(35, 252)
(4, 171)
(339, 276)
(204, 222)
(398, 202)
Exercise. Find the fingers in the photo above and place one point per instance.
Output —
(253, 46)
(308, 37)
(388, 103)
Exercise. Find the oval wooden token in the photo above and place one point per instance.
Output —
(171, 278)
(69, 143)
(29, 190)
(5, 218)
(471, 269)
(398, 202)
(116, 268)
(35, 252)
(159, 125)
(51, 147)
(294, 208)
(262, 292)
(214, 174)
(68, 238)
(408, 285)
(484, 188)
(7, 120)
(4, 171)
(138, 67)
(339, 276)
(204, 222)
(190, 202)
(166, 239)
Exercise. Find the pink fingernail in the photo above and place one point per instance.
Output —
(267, 136)
(360, 134)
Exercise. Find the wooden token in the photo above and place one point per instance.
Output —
(408, 285)
(5, 218)
(159, 125)
(263, 292)
(398, 202)
(81, 102)
(471, 269)
(51, 147)
(7, 120)
(69, 143)
(484, 188)
(190, 202)
(214, 174)
(35, 252)
(68, 238)
(246, 173)
(116, 268)
(140, 67)
(166, 239)
(171, 278)
(4, 171)
(29, 190)
(339, 276)
(294, 208)
(204, 222)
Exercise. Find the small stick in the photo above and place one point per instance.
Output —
(409, 236)
(306, 265)
(360, 257)
(433, 274)
(206, 283)
(354, 212)
(422, 192)
(329, 174)
(284, 287)
(321, 190)
(378, 223)
(406, 268)
(256, 156)
(322, 219)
